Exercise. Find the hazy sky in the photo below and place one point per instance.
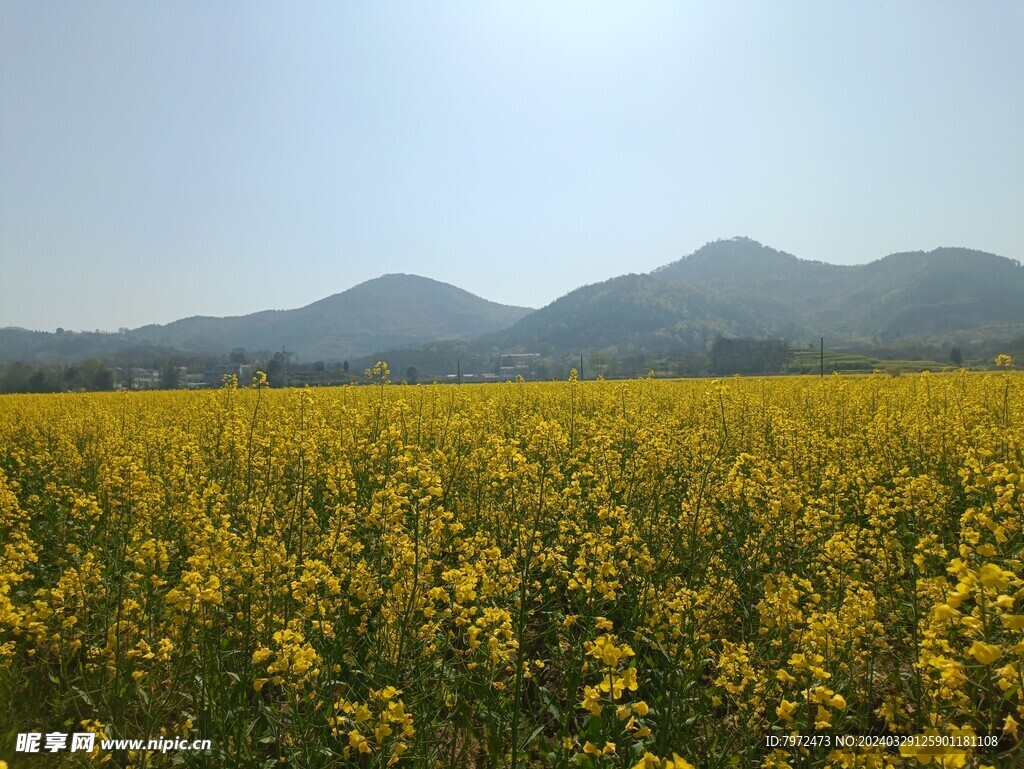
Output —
(159, 160)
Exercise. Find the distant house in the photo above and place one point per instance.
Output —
(145, 378)
(518, 364)
(214, 375)
(521, 361)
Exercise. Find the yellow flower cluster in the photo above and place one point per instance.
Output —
(378, 726)
(638, 574)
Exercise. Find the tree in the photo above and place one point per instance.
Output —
(344, 366)
(94, 375)
(169, 377)
(410, 374)
(748, 356)
(15, 377)
(38, 382)
(275, 370)
(279, 369)
(956, 357)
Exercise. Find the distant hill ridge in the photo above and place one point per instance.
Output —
(731, 288)
(391, 310)
(739, 287)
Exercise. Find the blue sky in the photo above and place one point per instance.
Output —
(159, 160)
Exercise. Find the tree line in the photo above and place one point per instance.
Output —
(90, 374)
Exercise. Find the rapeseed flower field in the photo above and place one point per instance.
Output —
(653, 574)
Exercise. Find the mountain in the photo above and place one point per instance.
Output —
(728, 288)
(739, 287)
(393, 310)
(947, 290)
(912, 294)
(631, 312)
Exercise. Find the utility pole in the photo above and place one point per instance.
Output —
(458, 368)
(823, 357)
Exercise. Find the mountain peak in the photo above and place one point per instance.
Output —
(392, 310)
(725, 258)
(402, 277)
